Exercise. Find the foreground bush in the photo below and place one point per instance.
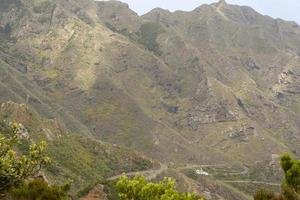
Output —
(39, 189)
(139, 189)
(264, 194)
(17, 168)
(14, 166)
(291, 168)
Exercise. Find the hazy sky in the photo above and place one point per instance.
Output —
(285, 9)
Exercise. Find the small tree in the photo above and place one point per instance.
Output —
(291, 168)
(15, 167)
(139, 189)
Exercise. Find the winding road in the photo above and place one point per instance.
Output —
(153, 173)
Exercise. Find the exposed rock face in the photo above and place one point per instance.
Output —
(288, 81)
(250, 64)
(96, 193)
(118, 17)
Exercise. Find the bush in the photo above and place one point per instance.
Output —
(39, 189)
(291, 168)
(139, 189)
(15, 168)
(264, 194)
(288, 193)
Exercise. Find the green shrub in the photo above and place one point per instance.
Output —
(139, 189)
(15, 168)
(39, 189)
(288, 193)
(84, 191)
(291, 168)
(264, 194)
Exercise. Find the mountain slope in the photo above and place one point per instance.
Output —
(74, 63)
(231, 93)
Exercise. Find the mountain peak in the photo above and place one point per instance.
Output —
(114, 3)
(159, 10)
(221, 3)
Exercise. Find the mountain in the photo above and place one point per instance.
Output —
(215, 86)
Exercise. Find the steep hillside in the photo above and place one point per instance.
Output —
(225, 96)
(251, 56)
(120, 100)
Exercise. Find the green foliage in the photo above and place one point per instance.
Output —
(85, 190)
(139, 189)
(110, 189)
(39, 189)
(291, 168)
(149, 33)
(14, 168)
(288, 193)
(264, 194)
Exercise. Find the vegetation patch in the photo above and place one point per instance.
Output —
(42, 7)
(148, 35)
